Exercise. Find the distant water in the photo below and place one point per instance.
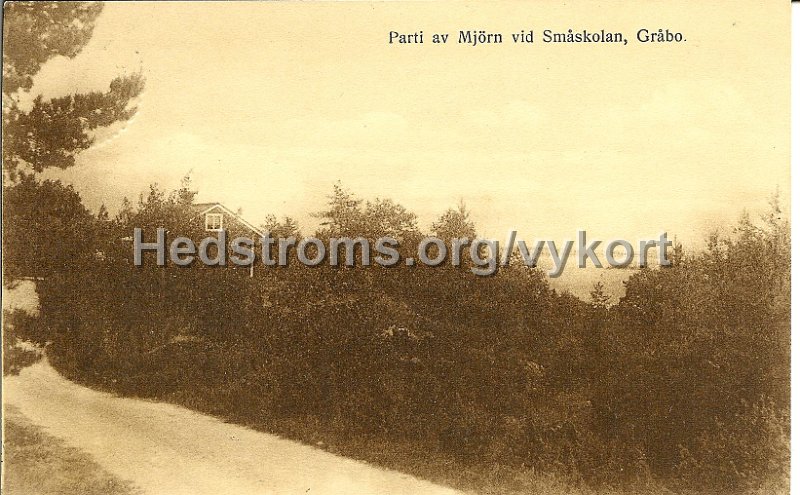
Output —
(580, 281)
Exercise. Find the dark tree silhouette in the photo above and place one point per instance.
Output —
(52, 132)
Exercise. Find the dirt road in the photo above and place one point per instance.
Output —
(166, 449)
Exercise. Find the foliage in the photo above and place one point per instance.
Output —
(52, 132)
(45, 226)
(682, 384)
(281, 229)
(598, 297)
(454, 224)
(20, 334)
(347, 216)
(34, 32)
(46, 229)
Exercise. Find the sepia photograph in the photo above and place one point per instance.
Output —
(396, 248)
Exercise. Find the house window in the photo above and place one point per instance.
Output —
(214, 221)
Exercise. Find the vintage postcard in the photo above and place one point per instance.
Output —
(368, 248)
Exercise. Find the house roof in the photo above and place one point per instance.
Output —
(203, 208)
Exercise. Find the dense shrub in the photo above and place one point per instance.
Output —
(683, 383)
(22, 341)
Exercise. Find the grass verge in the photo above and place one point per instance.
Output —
(37, 463)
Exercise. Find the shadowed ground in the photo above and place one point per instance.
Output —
(36, 463)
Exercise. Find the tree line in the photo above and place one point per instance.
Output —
(682, 385)
(683, 382)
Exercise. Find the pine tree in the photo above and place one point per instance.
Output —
(600, 300)
(52, 132)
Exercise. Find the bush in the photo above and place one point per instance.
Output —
(683, 383)
(23, 341)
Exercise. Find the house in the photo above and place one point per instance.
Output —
(215, 217)
(212, 218)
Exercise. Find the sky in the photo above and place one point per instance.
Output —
(267, 105)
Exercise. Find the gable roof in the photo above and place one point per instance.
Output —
(203, 208)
